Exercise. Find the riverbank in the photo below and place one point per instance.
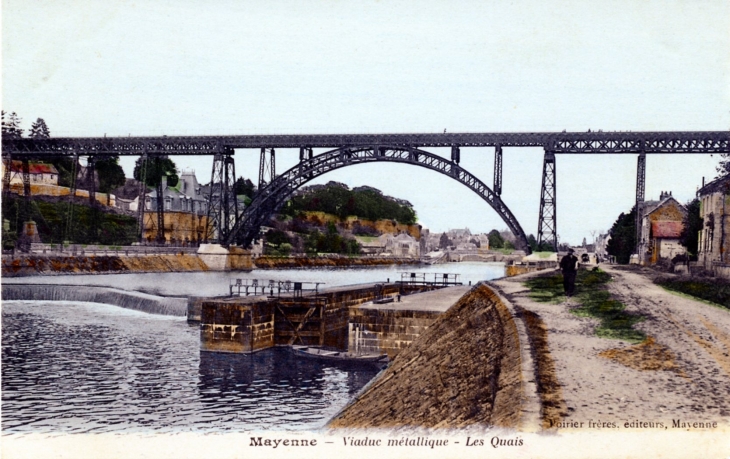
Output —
(265, 262)
(40, 265)
(676, 376)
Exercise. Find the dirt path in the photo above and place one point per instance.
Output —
(683, 374)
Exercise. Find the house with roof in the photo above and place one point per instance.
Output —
(713, 239)
(40, 173)
(187, 196)
(186, 209)
(660, 230)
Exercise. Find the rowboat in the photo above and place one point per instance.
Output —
(313, 352)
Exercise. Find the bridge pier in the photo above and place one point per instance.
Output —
(498, 170)
(547, 223)
(267, 165)
(640, 189)
(142, 194)
(222, 209)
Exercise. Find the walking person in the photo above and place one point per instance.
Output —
(569, 266)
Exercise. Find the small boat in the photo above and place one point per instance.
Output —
(387, 299)
(314, 352)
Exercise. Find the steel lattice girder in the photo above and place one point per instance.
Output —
(547, 223)
(557, 142)
(271, 197)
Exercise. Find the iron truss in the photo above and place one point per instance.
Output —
(556, 142)
(271, 197)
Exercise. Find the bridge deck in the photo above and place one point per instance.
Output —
(558, 142)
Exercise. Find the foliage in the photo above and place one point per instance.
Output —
(39, 130)
(595, 301)
(52, 218)
(723, 168)
(532, 242)
(110, 173)
(623, 237)
(152, 169)
(691, 226)
(276, 237)
(244, 187)
(713, 290)
(495, 240)
(11, 125)
(330, 242)
(445, 242)
(338, 200)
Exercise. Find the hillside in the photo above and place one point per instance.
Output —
(338, 199)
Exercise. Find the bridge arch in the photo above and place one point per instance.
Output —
(272, 196)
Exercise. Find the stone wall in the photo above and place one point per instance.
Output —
(386, 330)
(37, 189)
(237, 326)
(234, 324)
(464, 370)
(30, 265)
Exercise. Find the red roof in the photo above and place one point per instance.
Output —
(666, 229)
(34, 168)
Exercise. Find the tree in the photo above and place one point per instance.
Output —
(244, 187)
(623, 237)
(111, 175)
(39, 130)
(11, 125)
(445, 242)
(495, 240)
(691, 226)
(152, 169)
(532, 242)
(724, 167)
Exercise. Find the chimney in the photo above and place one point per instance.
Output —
(164, 182)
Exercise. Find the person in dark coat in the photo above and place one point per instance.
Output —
(569, 266)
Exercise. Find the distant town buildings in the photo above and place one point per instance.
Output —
(400, 245)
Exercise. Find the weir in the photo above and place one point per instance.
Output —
(171, 306)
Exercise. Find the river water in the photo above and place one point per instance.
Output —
(85, 367)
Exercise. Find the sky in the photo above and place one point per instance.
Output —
(159, 67)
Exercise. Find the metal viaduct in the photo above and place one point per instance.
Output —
(233, 226)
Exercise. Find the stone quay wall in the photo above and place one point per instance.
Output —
(249, 324)
(386, 330)
(464, 370)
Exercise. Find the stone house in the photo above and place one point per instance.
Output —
(661, 226)
(402, 245)
(40, 173)
(186, 209)
(713, 238)
(187, 196)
